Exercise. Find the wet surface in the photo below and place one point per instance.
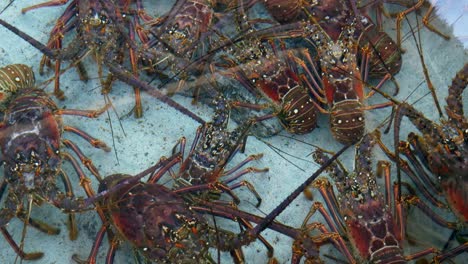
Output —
(139, 143)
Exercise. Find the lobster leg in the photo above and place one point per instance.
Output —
(262, 239)
(313, 76)
(85, 183)
(400, 17)
(84, 113)
(73, 233)
(155, 177)
(334, 220)
(451, 253)
(325, 237)
(95, 249)
(55, 42)
(421, 152)
(338, 241)
(426, 21)
(46, 4)
(416, 201)
(421, 253)
(93, 141)
(250, 187)
(240, 165)
(415, 178)
(378, 86)
(114, 244)
(20, 252)
(84, 160)
(8, 212)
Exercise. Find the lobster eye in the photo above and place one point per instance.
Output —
(104, 19)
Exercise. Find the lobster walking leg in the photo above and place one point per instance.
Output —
(18, 250)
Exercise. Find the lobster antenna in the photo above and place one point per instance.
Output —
(282, 206)
(218, 253)
(108, 100)
(8, 5)
(25, 225)
(425, 71)
(281, 152)
(289, 154)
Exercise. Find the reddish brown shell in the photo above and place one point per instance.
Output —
(456, 191)
(36, 137)
(385, 56)
(284, 10)
(347, 122)
(13, 78)
(298, 113)
(157, 221)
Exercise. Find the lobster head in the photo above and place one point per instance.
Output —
(95, 22)
(30, 151)
(32, 162)
(450, 160)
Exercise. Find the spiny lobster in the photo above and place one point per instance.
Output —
(341, 81)
(375, 46)
(31, 145)
(442, 150)
(361, 212)
(103, 28)
(158, 222)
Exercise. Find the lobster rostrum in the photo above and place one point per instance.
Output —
(31, 145)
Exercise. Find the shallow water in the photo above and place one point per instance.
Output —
(139, 143)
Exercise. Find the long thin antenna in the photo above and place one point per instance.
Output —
(282, 206)
(8, 5)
